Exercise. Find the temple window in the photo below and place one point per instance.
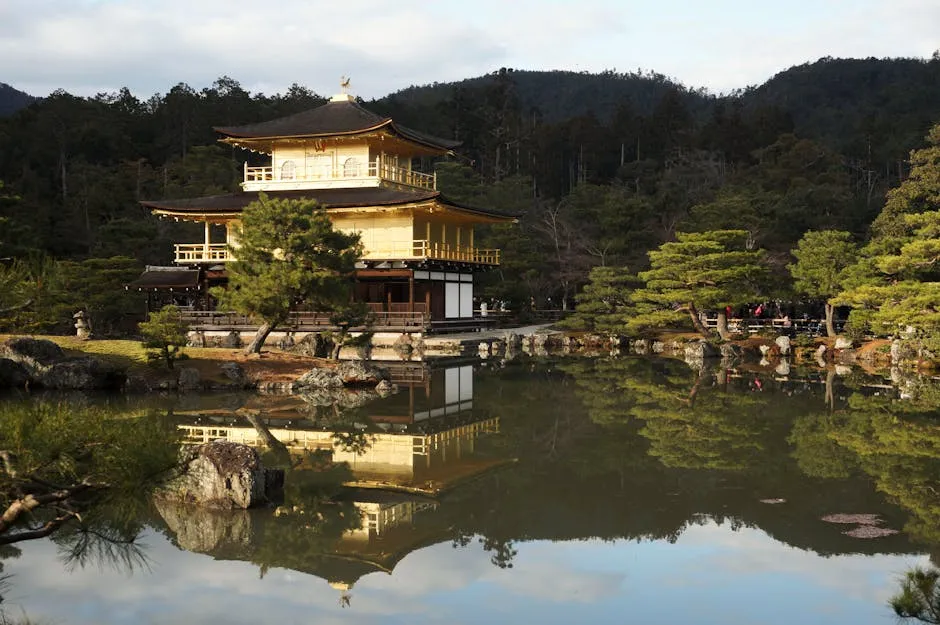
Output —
(287, 170)
(351, 167)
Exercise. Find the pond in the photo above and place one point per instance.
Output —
(624, 490)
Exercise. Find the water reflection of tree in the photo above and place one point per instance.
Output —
(897, 442)
(82, 475)
(62, 464)
(919, 596)
(815, 451)
(689, 421)
(305, 528)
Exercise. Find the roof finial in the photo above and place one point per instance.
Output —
(344, 83)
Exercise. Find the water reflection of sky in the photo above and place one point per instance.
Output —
(711, 575)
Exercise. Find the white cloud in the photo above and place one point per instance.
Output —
(151, 45)
(711, 566)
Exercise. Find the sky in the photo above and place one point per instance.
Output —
(99, 46)
(711, 576)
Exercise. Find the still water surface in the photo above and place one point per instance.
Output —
(624, 491)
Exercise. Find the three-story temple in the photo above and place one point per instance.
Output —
(420, 256)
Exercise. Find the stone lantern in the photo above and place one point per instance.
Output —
(82, 326)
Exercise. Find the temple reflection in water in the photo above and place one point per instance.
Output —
(606, 451)
(397, 455)
(422, 439)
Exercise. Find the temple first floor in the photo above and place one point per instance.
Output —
(400, 299)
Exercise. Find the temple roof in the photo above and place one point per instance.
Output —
(233, 203)
(155, 277)
(345, 117)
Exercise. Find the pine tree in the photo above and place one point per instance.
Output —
(821, 260)
(895, 286)
(288, 254)
(605, 304)
(164, 334)
(700, 271)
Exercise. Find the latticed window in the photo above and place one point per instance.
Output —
(352, 167)
(287, 170)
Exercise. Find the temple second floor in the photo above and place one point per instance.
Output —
(394, 225)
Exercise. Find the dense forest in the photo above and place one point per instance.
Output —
(600, 168)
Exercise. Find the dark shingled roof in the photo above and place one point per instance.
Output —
(330, 198)
(332, 118)
(166, 278)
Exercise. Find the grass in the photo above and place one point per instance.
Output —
(132, 357)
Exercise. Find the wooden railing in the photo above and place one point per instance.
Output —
(812, 327)
(300, 320)
(415, 250)
(373, 169)
(202, 253)
(423, 249)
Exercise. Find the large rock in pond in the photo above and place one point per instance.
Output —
(48, 366)
(204, 530)
(235, 373)
(223, 474)
(359, 373)
(697, 351)
(12, 374)
(318, 379)
(84, 373)
(350, 373)
(341, 398)
(189, 379)
(36, 355)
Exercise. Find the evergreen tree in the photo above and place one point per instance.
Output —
(919, 597)
(165, 334)
(698, 272)
(821, 261)
(605, 304)
(895, 286)
(288, 255)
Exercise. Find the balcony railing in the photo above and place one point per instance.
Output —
(301, 321)
(416, 250)
(421, 249)
(360, 174)
(202, 253)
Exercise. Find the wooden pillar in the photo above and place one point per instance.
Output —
(411, 293)
(427, 238)
(458, 243)
(206, 249)
(443, 237)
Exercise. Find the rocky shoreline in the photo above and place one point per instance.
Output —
(33, 363)
(30, 363)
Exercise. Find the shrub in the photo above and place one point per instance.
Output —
(164, 336)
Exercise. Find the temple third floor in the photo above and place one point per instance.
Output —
(303, 167)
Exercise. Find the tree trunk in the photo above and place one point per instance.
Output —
(830, 325)
(339, 339)
(723, 330)
(830, 392)
(696, 322)
(278, 448)
(263, 331)
(25, 304)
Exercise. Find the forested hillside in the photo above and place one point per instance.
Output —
(12, 100)
(600, 168)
